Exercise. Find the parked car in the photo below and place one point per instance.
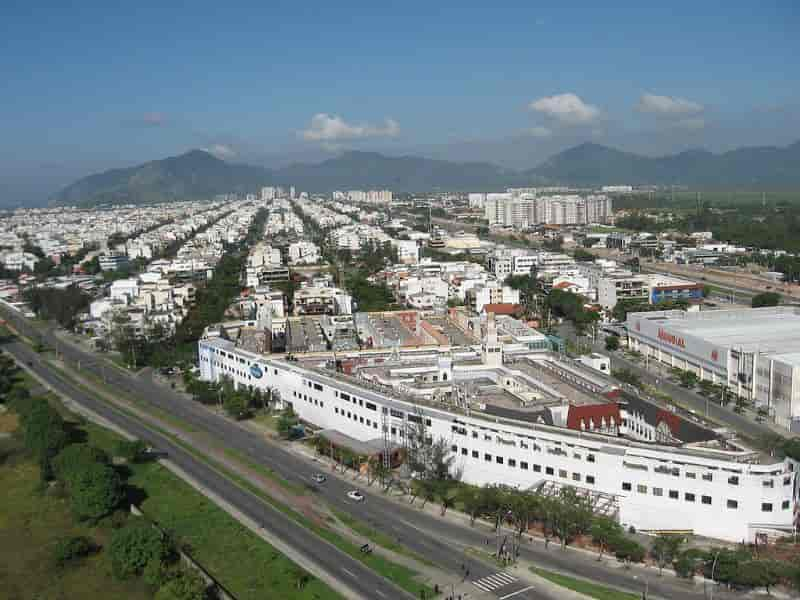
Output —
(318, 478)
(355, 495)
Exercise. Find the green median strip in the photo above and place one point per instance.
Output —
(587, 588)
(400, 575)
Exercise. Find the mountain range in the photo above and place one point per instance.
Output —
(198, 174)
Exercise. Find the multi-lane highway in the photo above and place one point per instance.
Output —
(353, 574)
(441, 541)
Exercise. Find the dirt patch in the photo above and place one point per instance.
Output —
(8, 422)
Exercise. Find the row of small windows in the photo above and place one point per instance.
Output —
(690, 497)
(525, 466)
(355, 417)
(348, 398)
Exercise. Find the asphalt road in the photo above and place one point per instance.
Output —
(700, 405)
(353, 573)
(437, 540)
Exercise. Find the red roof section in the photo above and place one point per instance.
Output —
(593, 416)
(501, 309)
(672, 420)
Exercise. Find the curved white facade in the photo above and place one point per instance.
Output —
(656, 487)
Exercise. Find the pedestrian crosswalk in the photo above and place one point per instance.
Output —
(494, 581)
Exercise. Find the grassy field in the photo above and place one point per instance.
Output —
(244, 563)
(31, 521)
(592, 590)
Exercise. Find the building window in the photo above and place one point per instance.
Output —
(688, 497)
(658, 491)
(733, 480)
(590, 458)
(785, 505)
(523, 465)
(512, 462)
(475, 454)
(562, 473)
(576, 477)
(642, 489)
(499, 460)
(768, 483)
(537, 468)
(708, 477)
(464, 451)
(454, 448)
(766, 507)
(548, 470)
(626, 486)
(690, 475)
(673, 494)
(487, 457)
(590, 479)
(705, 499)
(733, 504)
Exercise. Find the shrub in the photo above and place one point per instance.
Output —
(132, 451)
(72, 548)
(133, 546)
(95, 491)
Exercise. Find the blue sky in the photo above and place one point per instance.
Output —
(90, 85)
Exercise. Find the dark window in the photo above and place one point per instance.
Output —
(626, 486)
(537, 468)
(499, 460)
(475, 454)
(766, 507)
(733, 480)
(576, 477)
(464, 451)
(487, 457)
(705, 499)
(590, 479)
(512, 462)
(345, 396)
(590, 458)
(454, 448)
(523, 465)
(548, 470)
(318, 387)
(673, 494)
(689, 497)
(733, 504)
(785, 505)
(371, 406)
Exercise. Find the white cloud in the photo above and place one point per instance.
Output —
(568, 109)
(221, 151)
(539, 132)
(668, 106)
(327, 128)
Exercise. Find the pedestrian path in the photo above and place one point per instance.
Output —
(494, 581)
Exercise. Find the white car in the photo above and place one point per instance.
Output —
(355, 495)
(318, 478)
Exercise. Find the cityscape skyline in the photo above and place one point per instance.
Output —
(134, 86)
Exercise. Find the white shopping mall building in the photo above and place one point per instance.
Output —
(717, 491)
(754, 352)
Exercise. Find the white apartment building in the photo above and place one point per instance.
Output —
(407, 252)
(303, 252)
(491, 293)
(521, 210)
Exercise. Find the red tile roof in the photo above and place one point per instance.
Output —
(593, 416)
(501, 309)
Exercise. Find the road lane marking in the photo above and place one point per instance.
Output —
(494, 581)
(349, 573)
(530, 587)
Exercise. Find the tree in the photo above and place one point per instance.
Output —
(286, 422)
(612, 343)
(604, 531)
(184, 584)
(75, 458)
(665, 549)
(237, 404)
(133, 546)
(765, 299)
(470, 498)
(44, 434)
(95, 491)
(629, 551)
(572, 516)
(758, 573)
